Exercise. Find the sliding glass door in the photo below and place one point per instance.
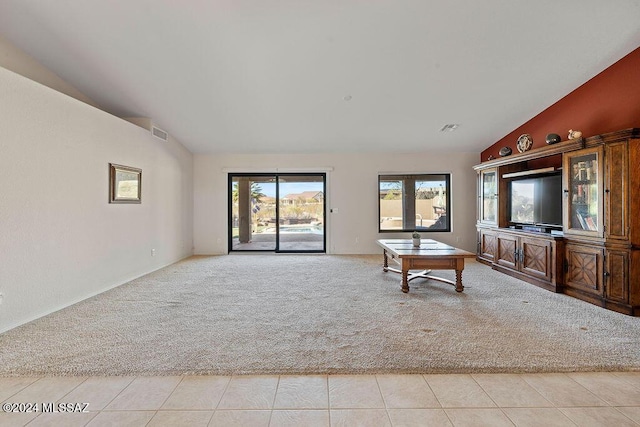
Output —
(252, 204)
(301, 213)
(277, 212)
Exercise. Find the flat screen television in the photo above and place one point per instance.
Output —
(537, 200)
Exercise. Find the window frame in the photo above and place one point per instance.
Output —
(446, 176)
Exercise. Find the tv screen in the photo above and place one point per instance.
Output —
(537, 200)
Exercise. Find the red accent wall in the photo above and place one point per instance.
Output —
(608, 102)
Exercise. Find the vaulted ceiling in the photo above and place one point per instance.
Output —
(303, 76)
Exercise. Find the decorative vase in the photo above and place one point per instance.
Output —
(416, 239)
(505, 151)
(553, 138)
(574, 134)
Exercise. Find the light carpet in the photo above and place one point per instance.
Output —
(319, 314)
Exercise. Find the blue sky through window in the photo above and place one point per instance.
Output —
(269, 188)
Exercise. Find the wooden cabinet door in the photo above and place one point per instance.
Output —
(616, 275)
(487, 247)
(584, 268)
(616, 191)
(536, 257)
(506, 250)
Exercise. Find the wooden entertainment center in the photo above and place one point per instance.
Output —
(591, 250)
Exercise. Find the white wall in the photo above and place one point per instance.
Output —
(352, 188)
(60, 239)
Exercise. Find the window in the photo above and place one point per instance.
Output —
(415, 202)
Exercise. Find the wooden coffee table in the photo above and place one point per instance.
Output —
(431, 255)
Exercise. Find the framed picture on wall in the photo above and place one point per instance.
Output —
(125, 184)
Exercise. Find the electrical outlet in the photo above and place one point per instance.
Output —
(153, 252)
(357, 239)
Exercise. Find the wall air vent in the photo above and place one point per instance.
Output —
(159, 133)
(147, 123)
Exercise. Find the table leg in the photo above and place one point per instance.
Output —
(385, 263)
(459, 287)
(405, 281)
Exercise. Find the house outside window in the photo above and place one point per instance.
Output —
(409, 202)
(304, 198)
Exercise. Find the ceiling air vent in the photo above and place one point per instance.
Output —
(449, 127)
(159, 133)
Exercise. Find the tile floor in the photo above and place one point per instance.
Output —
(583, 399)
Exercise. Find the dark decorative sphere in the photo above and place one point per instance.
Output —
(553, 138)
(505, 151)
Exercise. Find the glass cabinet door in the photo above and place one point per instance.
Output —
(583, 192)
(489, 196)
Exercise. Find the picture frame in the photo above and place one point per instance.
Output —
(125, 184)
